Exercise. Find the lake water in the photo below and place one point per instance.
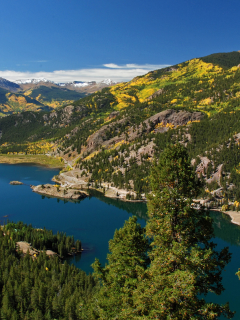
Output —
(94, 220)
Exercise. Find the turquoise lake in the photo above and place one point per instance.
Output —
(94, 220)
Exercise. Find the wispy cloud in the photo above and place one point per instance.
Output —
(22, 64)
(110, 70)
(40, 61)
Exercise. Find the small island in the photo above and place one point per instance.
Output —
(15, 183)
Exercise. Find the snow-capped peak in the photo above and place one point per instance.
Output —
(33, 81)
(77, 84)
(108, 82)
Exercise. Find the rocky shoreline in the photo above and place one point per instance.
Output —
(58, 191)
(71, 179)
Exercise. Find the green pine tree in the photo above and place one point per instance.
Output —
(126, 264)
(184, 263)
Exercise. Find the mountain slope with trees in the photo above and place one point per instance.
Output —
(111, 137)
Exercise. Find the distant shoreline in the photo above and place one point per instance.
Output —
(34, 160)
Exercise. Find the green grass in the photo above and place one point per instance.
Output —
(42, 160)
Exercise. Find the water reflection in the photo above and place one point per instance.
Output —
(138, 209)
(224, 229)
(75, 201)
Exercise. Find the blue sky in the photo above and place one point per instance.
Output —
(92, 40)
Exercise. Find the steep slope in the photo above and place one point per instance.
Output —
(112, 136)
(8, 85)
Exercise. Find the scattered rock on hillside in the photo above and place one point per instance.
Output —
(98, 138)
(169, 116)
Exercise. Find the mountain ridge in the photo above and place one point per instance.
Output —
(8, 85)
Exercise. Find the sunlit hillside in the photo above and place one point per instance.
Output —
(15, 102)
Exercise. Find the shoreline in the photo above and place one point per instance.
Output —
(56, 191)
(71, 181)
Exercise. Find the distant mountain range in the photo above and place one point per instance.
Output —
(75, 84)
(42, 94)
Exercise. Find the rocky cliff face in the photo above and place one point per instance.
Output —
(176, 118)
(168, 119)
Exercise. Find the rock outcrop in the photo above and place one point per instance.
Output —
(174, 117)
(155, 94)
(57, 191)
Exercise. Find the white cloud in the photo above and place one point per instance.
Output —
(113, 71)
(136, 66)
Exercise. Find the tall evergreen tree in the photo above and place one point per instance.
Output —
(127, 262)
(184, 263)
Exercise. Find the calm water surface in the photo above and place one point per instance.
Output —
(94, 220)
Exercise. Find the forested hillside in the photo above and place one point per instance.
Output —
(40, 286)
(111, 137)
